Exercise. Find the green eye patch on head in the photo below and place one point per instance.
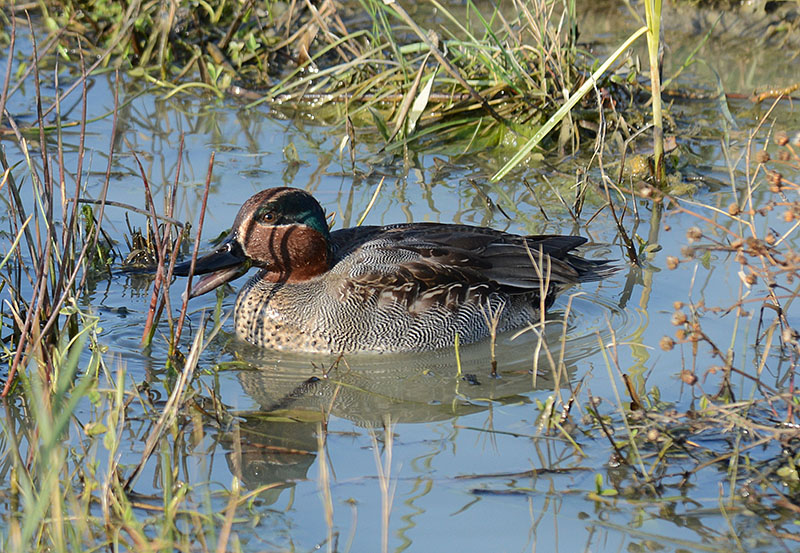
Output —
(290, 208)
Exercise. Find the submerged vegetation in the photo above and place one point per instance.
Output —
(73, 423)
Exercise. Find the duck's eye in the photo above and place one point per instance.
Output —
(267, 217)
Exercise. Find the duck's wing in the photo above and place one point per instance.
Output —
(448, 263)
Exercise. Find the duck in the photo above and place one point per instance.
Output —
(397, 288)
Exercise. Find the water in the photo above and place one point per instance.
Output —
(472, 467)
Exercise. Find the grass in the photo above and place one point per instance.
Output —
(77, 436)
(57, 369)
(481, 78)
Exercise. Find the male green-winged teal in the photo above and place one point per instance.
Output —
(403, 287)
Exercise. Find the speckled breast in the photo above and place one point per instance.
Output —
(313, 317)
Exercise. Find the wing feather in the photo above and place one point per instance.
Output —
(425, 264)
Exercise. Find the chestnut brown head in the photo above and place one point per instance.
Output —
(281, 230)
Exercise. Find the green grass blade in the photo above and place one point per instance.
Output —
(564, 110)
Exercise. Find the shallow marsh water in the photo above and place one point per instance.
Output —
(471, 466)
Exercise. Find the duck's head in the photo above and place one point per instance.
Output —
(282, 230)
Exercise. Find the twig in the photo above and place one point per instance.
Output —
(129, 207)
(196, 249)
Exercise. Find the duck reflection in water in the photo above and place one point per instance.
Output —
(296, 394)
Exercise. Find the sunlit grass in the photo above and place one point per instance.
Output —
(488, 77)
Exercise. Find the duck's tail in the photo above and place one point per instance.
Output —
(591, 270)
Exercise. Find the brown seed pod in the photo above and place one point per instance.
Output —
(688, 377)
(775, 181)
(679, 318)
(694, 234)
(672, 262)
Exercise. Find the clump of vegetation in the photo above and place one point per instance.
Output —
(56, 251)
(482, 78)
(740, 413)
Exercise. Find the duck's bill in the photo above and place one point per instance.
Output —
(224, 264)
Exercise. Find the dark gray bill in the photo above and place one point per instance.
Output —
(224, 264)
